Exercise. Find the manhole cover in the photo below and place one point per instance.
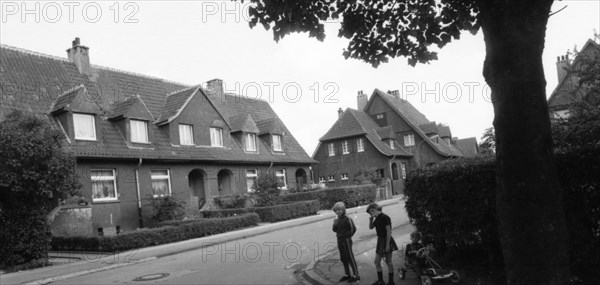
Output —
(151, 277)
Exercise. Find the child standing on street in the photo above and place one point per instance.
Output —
(344, 228)
(385, 242)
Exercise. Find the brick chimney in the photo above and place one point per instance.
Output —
(215, 86)
(340, 112)
(395, 93)
(562, 63)
(361, 100)
(80, 55)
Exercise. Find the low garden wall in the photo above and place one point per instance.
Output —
(275, 213)
(352, 196)
(169, 232)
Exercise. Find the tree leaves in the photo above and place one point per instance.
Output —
(378, 30)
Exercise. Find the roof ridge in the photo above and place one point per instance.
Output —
(181, 90)
(54, 57)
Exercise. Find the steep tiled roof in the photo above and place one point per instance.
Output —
(444, 131)
(468, 146)
(120, 109)
(356, 123)
(386, 132)
(415, 118)
(176, 101)
(270, 126)
(564, 95)
(429, 128)
(32, 82)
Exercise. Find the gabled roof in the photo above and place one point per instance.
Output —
(47, 77)
(444, 131)
(414, 118)
(429, 128)
(468, 146)
(386, 132)
(270, 126)
(132, 107)
(358, 123)
(175, 103)
(243, 123)
(76, 99)
(563, 94)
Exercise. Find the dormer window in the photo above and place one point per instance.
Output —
(139, 131)
(216, 137)
(409, 140)
(392, 143)
(85, 127)
(250, 141)
(186, 134)
(277, 143)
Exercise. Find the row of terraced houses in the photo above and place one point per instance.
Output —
(136, 137)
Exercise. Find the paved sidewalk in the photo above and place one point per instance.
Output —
(100, 262)
(329, 269)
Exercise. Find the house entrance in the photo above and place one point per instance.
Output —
(301, 180)
(224, 179)
(197, 182)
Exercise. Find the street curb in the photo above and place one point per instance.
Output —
(217, 239)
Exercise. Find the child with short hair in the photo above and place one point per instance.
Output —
(385, 242)
(344, 228)
(411, 250)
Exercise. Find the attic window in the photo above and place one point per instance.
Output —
(85, 127)
(186, 134)
(250, 142)
(409, 140)
(360, 146)
(139, 131)
(277, 143)
(392, 143)
(216, 137)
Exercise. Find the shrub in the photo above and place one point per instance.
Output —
(36, 172)
(271, 213)
(352, 196)
(453, 203)
(233, 201)
(172, 231)
(167, 208)
(266, 190)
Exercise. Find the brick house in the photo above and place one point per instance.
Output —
(568, 90)
(388, 134)
(136, 137)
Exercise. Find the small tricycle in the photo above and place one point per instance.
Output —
(430, 269)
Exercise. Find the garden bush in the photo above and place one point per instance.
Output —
(233, 201)
(167, 208)
(173, 231)
(275, 213)
(453, 203)
(352, 196)
(266, 190)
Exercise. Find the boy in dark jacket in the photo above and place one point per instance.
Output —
(385, 242)
(344, 228)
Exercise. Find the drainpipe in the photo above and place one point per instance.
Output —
(139, 198)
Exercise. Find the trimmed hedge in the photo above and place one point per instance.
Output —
(454, 203)
(173, 232)
(271, 214)
(352, 196)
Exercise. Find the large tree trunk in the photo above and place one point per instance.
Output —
(529, 198)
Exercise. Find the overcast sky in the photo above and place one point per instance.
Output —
(305, 80)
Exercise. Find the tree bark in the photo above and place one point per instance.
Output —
(530, 211)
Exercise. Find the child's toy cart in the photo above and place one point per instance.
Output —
(430, 270)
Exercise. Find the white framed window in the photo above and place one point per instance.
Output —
(186, 134)
(403, 166)
(344, 176)
(85, 127)
(104, 185)
(379, 116)
(250, 142)
(161, 182)
(409, 140)
(251, 176)
(281, 179)
(330, 178)
(331, 149)
(360, 145)
(277, 143)
(322, 179)
(139, 131)
(216, 137)
(345, 147)
(392, 143)
(562, 114)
